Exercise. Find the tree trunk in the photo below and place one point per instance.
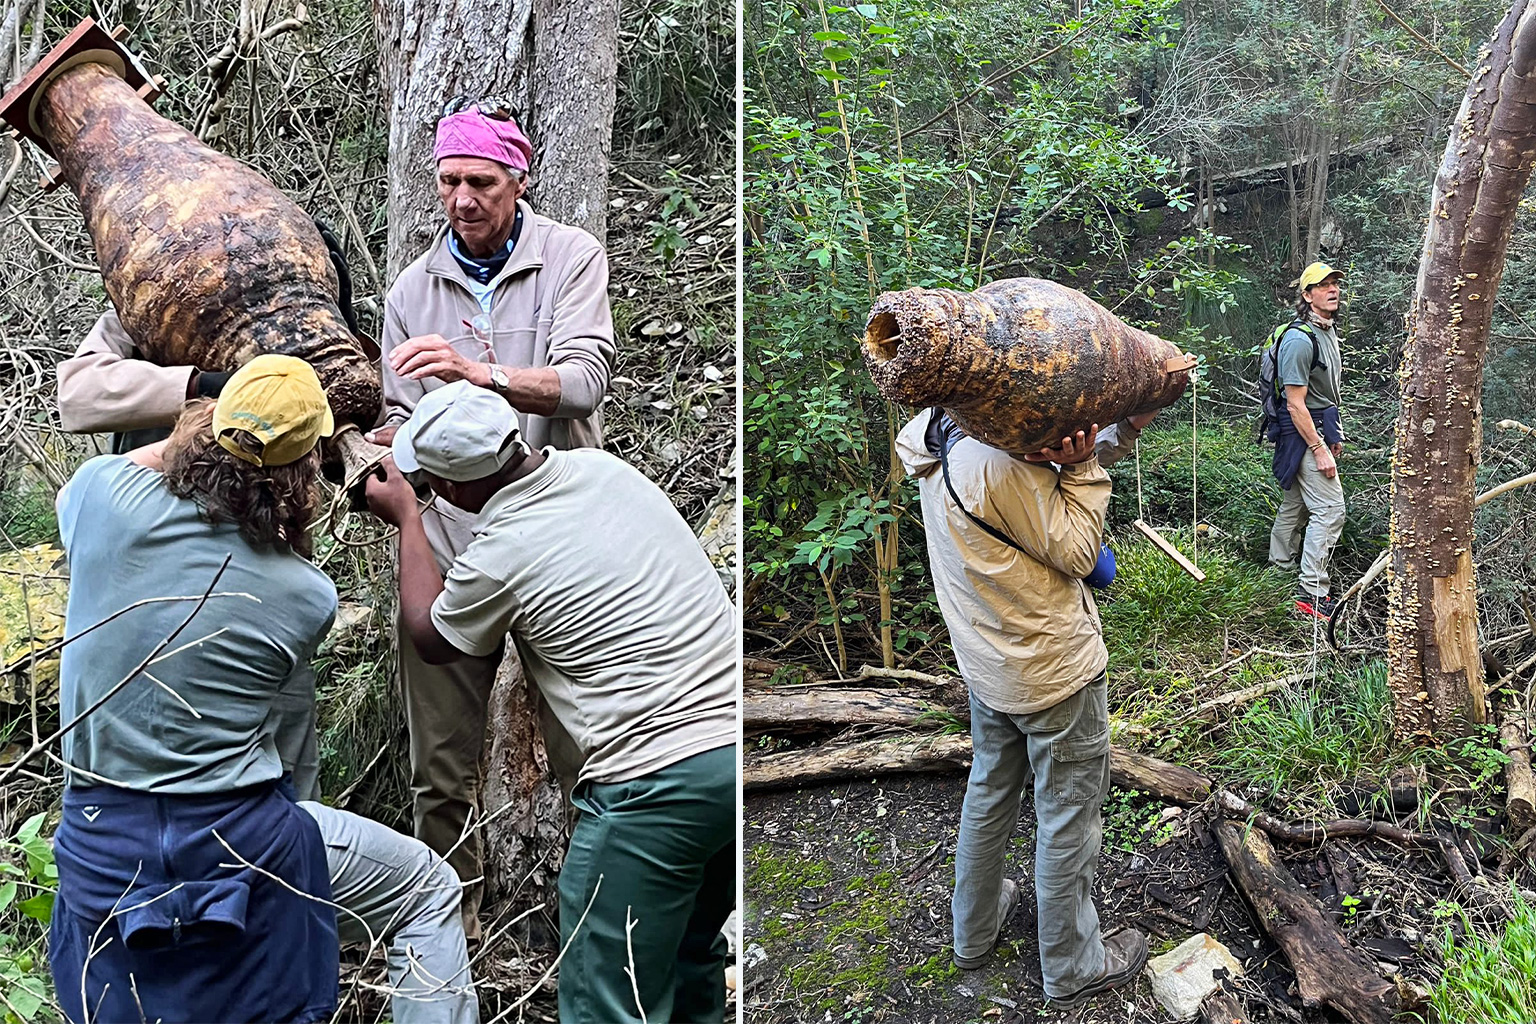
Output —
(1435, 669)
(1327, 131)
(557, 64)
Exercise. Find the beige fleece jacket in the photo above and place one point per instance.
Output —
(549, 308)
(1023, 624)
(105, 386)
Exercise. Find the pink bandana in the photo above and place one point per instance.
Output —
(471, 133)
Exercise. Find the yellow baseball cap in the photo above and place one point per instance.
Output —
(279, 401)
(1317, 273)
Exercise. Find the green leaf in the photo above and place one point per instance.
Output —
(39, 907)
(836, 53)
(867, 10)
(830, 37)
(31, 826)
(7, 894)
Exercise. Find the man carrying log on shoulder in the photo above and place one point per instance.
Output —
(1305, 365)
(1011, 540)
(515, 304)
(178, 777)
(624, 626)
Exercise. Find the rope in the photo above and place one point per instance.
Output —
(1194, 464)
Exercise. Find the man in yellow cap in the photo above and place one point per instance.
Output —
(174, 778)
(1308, 439)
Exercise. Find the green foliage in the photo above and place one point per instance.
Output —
(1489, 978)
(29, 881)
(1153, 599)
(1310, 740)
(27, 517)
(1130, 821)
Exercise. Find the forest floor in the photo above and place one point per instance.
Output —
(848, 914)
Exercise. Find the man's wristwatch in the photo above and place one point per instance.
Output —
(499, 381)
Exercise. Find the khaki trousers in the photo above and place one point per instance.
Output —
(1309, 522)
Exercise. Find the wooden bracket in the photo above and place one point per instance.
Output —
(1178, 364)
(1168, 549)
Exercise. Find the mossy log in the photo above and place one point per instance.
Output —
(1019, 363)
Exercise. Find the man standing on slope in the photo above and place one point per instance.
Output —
(1010, 541)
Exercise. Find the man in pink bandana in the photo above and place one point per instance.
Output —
(515, 303)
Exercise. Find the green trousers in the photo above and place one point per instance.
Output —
(659, 853)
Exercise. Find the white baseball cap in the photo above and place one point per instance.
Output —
(458, 432)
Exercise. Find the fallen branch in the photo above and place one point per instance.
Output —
(808, 708)
(1520, 804)
(1328, 969)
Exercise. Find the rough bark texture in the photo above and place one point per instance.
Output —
(817, 707)
(207, 262)
(1434, 665)
(1170, 783)
(1019, 363)
(556, 63)
(1328, 969)
(1520, 785)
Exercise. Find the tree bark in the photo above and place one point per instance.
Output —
(1435, 669)
(1327, 131)
(1519, 784)
(1169, 783)
(817, 707)
(1328, 969)
(557, 64)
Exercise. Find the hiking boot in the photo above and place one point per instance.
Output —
(1321, 606)
(1125, 954)
(1008, 901)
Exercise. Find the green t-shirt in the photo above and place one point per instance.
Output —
(202, 717)
(1294, 365)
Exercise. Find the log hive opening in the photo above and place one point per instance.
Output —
(882, 338)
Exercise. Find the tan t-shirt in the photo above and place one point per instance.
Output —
(617, 615)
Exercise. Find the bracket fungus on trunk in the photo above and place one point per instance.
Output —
(1019, 363)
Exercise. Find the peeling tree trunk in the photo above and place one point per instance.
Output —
(1435, 669)
(1327, 130)
(557, 63)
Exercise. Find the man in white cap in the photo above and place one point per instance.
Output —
(622, 623)
(516, 304)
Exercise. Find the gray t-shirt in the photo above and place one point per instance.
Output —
(129, 538)
(1294, 365)
(617, 615)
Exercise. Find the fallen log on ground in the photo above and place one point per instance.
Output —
(1329, 970)
(816, 707)
(1520, 804)
(1128, 769)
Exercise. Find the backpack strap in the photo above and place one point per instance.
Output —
(990, 530)
(1304, 328)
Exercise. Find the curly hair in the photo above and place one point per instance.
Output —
(269, 505)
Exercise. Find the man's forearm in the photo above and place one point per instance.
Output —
(420, 583)
(533, 390)
(1301, 418)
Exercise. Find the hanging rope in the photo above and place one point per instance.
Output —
(1194, 464)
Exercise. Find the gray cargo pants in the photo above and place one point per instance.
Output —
(1066, 749)
(1314, 504)
(400, 893)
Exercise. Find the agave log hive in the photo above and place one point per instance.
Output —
(1019, 363)
(208, 263)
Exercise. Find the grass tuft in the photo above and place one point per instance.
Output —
(1489, 978)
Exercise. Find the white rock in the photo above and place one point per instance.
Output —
(1182, 978)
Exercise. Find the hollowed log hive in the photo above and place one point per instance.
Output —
(207, 262)
(1019, 363)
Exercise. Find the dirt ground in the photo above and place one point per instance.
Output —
(848, 890)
